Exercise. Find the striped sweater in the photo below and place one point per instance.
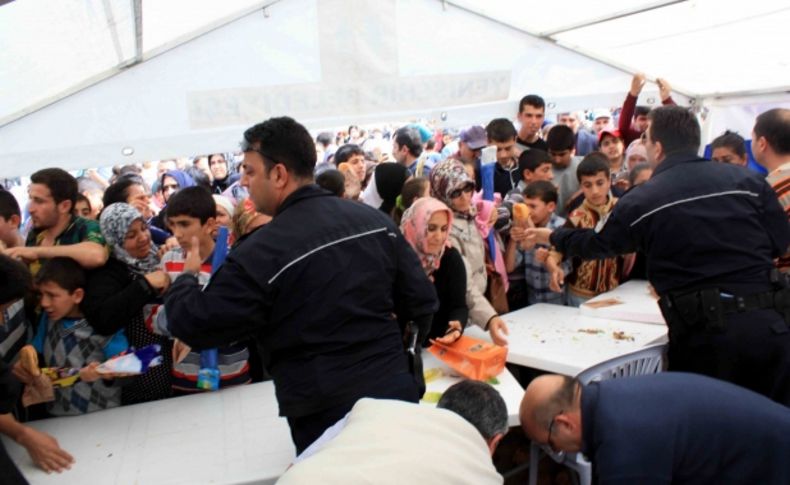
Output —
(233, 360)
(779, 179)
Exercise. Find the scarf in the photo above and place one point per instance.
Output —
(115, 221)
(447, 177)
(414, 226)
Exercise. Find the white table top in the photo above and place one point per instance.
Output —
(232, 436)
(547, 337)
(636, 304)
(507, 385)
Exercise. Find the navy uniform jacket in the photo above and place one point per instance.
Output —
(683, 428)
(699, 223)
(318, 286)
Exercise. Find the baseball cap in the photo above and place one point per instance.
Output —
(614, 133)
(475, 137)
(601, 113)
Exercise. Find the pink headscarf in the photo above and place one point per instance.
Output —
(414, 225)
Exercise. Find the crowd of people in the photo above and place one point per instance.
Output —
(411, 235)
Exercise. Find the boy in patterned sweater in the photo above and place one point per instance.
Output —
(65, 339)
(191, 213)
(589, 278)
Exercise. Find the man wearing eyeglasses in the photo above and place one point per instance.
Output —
(661, 428)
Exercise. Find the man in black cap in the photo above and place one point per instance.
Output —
(710, 233)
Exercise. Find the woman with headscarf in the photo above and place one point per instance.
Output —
(426, 225)
(118, 294)
(171, 182)
(451, 184)
(383, 191)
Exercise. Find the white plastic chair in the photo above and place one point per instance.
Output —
(649, 360)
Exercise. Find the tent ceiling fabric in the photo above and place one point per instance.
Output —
(210, 69)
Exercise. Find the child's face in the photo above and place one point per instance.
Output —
(596, 187)
(82, 209)
(543, 172)
(184, 228)
(57, 302)
(539, 211)
(612, 147)
(8, 228)
(562, 158)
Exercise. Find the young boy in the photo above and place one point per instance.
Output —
(562, 148)
(502, 134)
(65, 339)
(15, 282)
(541, 197)
(611, 143)
(10, 219)
(589, 278)
(191, 213)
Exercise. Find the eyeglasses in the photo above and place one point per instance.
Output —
(458, 192)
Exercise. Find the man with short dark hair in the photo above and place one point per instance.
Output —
(531, 113)
(317, 287)
(502, 134)
(710, 232)
(771, 149)
(662, 428)
(57, 232)
(407, 147)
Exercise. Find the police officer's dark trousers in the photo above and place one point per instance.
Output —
(753, 351)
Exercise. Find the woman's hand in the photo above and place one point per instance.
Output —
(159, 281)
(497, 328)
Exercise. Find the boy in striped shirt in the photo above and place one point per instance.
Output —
(191, 213)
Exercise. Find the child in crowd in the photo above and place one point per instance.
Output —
(589, 278)
(191, 213)
(562, 149)
(65, 339)
(541, 197)
(14, 328)
(612, 147)
(10, 220)
(15, 283)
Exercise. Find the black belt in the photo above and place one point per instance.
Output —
(740, 304)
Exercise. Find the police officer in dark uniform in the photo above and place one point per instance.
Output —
(710, 232)
(318, 286)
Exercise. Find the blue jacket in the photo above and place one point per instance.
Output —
(683, 428)
(586, 142)
(318, 287)
(699, 223)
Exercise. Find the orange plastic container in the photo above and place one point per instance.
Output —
(472, 358)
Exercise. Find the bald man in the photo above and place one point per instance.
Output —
(662, 428)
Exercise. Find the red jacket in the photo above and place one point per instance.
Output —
(627, 114)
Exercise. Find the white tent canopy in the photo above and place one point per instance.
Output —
(99, 82)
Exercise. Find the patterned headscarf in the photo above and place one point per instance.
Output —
(414, 226)
(447, 177)
(115, 221)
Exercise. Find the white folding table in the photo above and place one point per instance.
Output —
(560, 339)
(229, 437)
(632, 301)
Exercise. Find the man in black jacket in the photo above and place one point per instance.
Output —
(710, 232)
(318, 286)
